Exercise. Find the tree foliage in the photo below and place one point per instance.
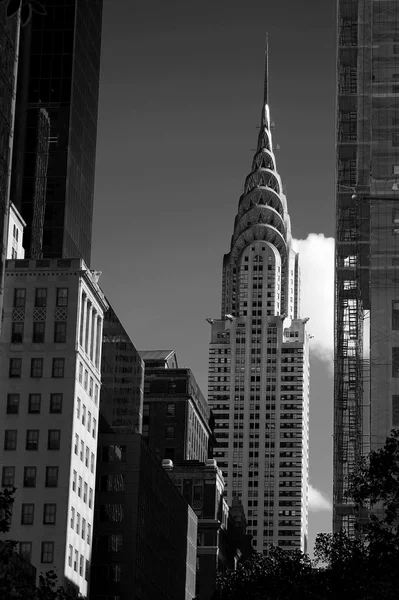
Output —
(362, 567)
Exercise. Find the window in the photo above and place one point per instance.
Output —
(395, 362)
(62, 296)
(25, 550)
(86, 379)
(34, 403)
(76, 443)
(91, 387)
(81, 565)
(72, 518)
(92, 462)
(83, 415)
(80, 487)
(95, 394)
(36, 367)
(90, 497)
(75, 562)
(82, 449)
(170, 432)
(58, 367)
(171, 410)
(395, 411)
(115, 542)
(88, 421)
(83, 529)
(27, 514)
(55, 403)
(29, 476)
(17, 332)
(114, 453)
(77, 522)
(78, 408)
(19, 297)
(88, 533)
(60, 328)
(94, 428)
(87, 456)
(8, 477)
(51, 476)
(49, 513)
(85, 493)
(15, 367)
(12, 404)
(41, 297)
(54, 439)
(80, 372)
(32, 439)
(39, 330)
(47, 552)
(87, 572)
(395, 315)
(70, 553)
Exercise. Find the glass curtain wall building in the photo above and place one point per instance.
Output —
(59, 72)
(259, 365)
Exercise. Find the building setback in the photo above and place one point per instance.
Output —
(259, 362)
(366, 394)
(50, 355)
(59, 72)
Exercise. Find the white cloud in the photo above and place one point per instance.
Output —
(316, 260)
(317, 501)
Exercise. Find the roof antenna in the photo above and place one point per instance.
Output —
(266, 83)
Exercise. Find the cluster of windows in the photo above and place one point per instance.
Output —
(87, 382)
(61, 299)
(84, 453)
(32, 439)
(36, 368)
(82, 489)
(38, 332)
(85, 416)
(34, 403)
(78, 562)
(29, 476)
(80, 525)
(28, 514)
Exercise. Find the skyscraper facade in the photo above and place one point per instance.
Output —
(258, 362)
(366, 398)
(59, 72)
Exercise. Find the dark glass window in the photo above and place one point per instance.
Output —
(47, 555)
(8, 477)
(395, 362)
(29, 476)
(51, 476)
(171, 410)
(56, 403)
(15, 367)
(27, 514)
(32, 439)
(10, 439)
(39, 330)
(25, 550)
(62, 296)
(17, 332)
(114, 453)
(58, 367)
(19, 297)
(34, 403)
(12, 404)
(395, 315)
(54, 439)
(60, 328)
(36, 367)
(49, 514)
(41, 297)
(170, 432)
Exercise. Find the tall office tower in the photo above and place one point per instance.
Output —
(50, 355)
(59, 72)
(259, 362)
(366, 397)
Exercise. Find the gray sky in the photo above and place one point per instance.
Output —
(180, 103)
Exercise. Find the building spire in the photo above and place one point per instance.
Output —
(266, 82)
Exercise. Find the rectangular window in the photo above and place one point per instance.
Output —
(25, 550)
(395, 315)
(83, 529)
(395, 411)
(39, 331)
(58, 367)
(115, 542)
(8, 477)
(88, 421)
(54, 439)
(94, 428)
(80, 372)
(72, 518)
(27, 514)
(32, 439)
(90, 497)
(83, 414)
(19, 297)
(77, 522)
(86, 379)
(85, 493)
(92, 462)
(76, 444)
(47, 555)
(60, 328)
(171, 410)
(34, 403)
(82, 450)
(95, 394)
(74, 479)
(62, 296)
(87, 574)
(81, 565)
(36, 367)
(91, 387)
(49, 514)
(75, 562)
(51, 476)
(41, 297)
(29, 476)
(78, 408)
(87, 456)
(170, 432)
(395, 362)
(80, 487)
(70, 553)
(55, 403)
(12, 404)
(17, 332)
(15, 367)
(88, 533)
